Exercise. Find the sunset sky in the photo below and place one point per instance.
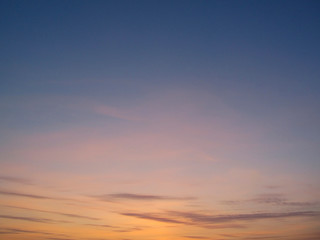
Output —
(160, 120)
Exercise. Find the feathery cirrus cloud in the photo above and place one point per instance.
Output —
(205, 220)
(140, 197)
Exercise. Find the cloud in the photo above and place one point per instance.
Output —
(23, 231)
(269, 198)
(153, 217)
(274, 199)
(116, 228)
(140, 197)
(262, 237)
(54, 238)
(33, 219)
(279, 199)
(15, 230)
(53, 212)
(164, 219)
(35, 196)
(214, 221)
(75, 215)
(196, 237)
(101, 225)
(15, 180)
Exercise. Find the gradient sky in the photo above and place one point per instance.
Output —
(159, 120)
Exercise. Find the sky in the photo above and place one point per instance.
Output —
(159, 120)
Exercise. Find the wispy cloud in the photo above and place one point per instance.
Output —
(211, 221)
(32, 219)
(140, 197)
(196, 237)
(54, 238)
(53, 212)
(34, 196)
(100, 225)
(16, 230)
(24, 231)
(273, 199)
(263, 237)
(172, 220)
(116, 228)
(279, 199)
(15, 180)
(154, 217)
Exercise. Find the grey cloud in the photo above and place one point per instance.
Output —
(139, 197)
(171, 219)
(272, 199)
(228, 235)
(15, 180)
(15, 230)
(6, 232)
(53, 212)
(262, 237)
(269, 198)
(34, 196)
(196, 237)
(279, 199)
(32, 219)
(214, 221)
(75, 215)
(128, 229)
(231, 202)
(117, 228)
(204, 218)
(152, 217)
(101, 225)
(23, 231)
(218, 226)
(60, 238)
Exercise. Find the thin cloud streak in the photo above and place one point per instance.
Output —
(101, 225)
(196, 237)
(279, 199)
(116, 228)
(32, 219)
(208, 221)
(60, 238)
(23, 231)
(53, 212)
(140, 197)
(203, 218)
(16, 180)
(273, 199)
(34, 196)
(153, 217)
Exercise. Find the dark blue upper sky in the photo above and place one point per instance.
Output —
(260, 56)
(241, 43)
